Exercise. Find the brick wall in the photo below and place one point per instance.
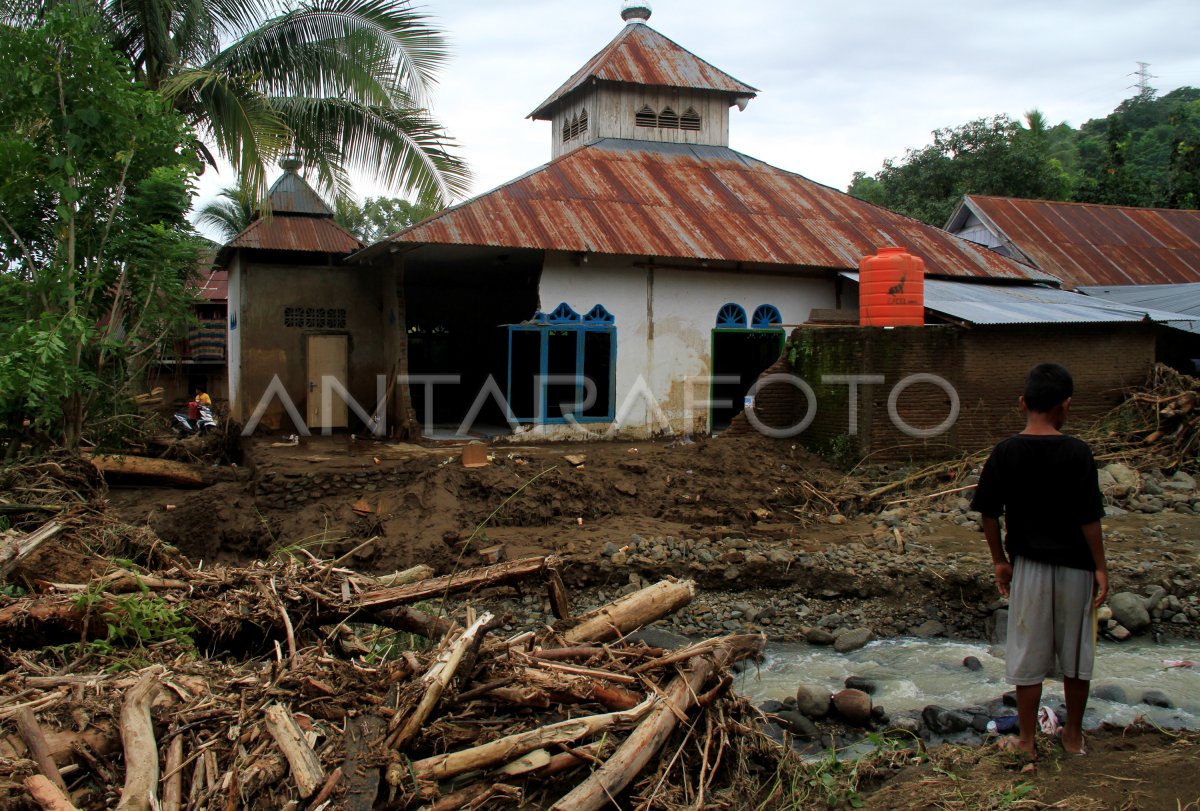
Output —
(985, 365)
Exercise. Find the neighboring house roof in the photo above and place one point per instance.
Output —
(641, 55)
(682, 201)
(1181, 298)
(214, 284)
(975, 303)
(1088, 244)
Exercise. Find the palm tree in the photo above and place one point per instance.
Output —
(343, 83)
(230, 214)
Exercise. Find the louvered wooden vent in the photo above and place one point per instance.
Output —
(668, 119)
(646, 118)
(575, 127)
(690, 120)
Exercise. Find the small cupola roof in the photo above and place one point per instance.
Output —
(639, 55)
(291, 194)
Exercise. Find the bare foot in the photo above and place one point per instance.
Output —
(1026, 749)
(1073, 743)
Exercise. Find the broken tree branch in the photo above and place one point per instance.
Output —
(141, 751)
(435, 680)
(642, 744)
(306, 766)
(513, 571)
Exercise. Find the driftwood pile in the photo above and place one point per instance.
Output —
(297, 683)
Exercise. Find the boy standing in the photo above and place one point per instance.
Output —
(1045, 485)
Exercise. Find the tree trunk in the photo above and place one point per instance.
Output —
(148, 470)
(513, 571)
(630, 612)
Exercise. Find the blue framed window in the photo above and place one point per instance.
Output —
(766, 316)
(731, 316)
(563, 365)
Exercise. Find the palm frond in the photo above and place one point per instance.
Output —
(230, 215)
(403, 148)
(242, 122)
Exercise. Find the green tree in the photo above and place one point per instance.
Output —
(986, 156)
(95, 249)
(380, 217)
(344, 83)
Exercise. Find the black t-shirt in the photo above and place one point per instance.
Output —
(1046, 488)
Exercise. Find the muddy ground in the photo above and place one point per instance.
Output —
(779, 540)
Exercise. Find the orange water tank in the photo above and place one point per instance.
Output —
(891, 289)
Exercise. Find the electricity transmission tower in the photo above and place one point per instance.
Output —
(1144, 76)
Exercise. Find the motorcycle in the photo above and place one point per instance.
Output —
(197, 422)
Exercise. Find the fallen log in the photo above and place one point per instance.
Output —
(306, 766)
(513, 571)
(627, 762)
(141, 751)
(631, 612)
(147, 469)
(14, 550)
(502, 750)
(402, 578)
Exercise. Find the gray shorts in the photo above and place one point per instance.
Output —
(1051, 623)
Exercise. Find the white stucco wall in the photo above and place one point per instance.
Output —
(664, 320)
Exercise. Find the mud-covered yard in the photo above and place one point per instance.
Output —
(779, 540)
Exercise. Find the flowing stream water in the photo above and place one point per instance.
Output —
(911, 674)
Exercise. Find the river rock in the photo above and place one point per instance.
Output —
(1103, 614)
(972, 663)
(660, 638)
(771, 706)
(1129, 610)
(818, 636)
(854, 706)
(797, 724)
(868, 686)
(813, 700)
(929, 628)
(1157, 698)
(853, 639)
(1113, 693)
(942, 721)
(1119, 632)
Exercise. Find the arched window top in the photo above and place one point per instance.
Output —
(766, 316)
(598, 315)
(690, 120)
(732, 315)
(645, 117)
(581, 125)
(563, 314)
(668, 119)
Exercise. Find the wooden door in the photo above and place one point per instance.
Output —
(328, 357)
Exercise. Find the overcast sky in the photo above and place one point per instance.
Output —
(843, 84)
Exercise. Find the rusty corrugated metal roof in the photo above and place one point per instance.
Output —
(1089, 244)
(284, 232)
(642, 198)
(291, 194)
(641, 55)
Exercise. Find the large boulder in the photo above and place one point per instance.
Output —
(853, 639)
(797, 724)
(854, 706)
(1129, 610)
(812, 700)
(1125, 480)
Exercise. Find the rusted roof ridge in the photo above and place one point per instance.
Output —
(640, 55)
